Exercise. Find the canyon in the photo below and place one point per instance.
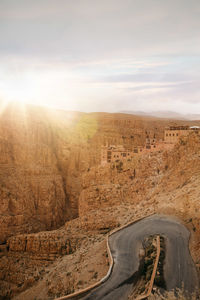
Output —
(58, 202)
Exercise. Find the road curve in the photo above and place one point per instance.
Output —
(179, 269)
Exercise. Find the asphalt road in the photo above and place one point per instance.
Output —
(179, 269)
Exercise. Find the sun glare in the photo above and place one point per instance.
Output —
(41, 87)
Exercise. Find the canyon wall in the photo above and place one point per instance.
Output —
(141, 178)
(43, 154)
(50, 175)
(33, 181)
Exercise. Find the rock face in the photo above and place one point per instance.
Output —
(43, 154)
(120, 183)
(32, 187)
(50, 175)
(141, 178)
(43, 245)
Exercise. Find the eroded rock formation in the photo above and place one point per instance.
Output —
(43, 154)
(50, 175)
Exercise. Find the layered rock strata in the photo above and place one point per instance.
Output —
(43, 155)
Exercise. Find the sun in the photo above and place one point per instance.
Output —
(38, 86)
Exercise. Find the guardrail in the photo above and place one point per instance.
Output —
(111, 262)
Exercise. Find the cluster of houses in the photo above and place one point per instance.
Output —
(172, 134)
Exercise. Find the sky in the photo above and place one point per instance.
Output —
(101, 55)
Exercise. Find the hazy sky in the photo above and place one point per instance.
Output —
(101, 55)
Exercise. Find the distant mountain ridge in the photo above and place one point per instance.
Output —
(164, 114)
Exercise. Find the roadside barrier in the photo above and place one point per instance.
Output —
(111, 262)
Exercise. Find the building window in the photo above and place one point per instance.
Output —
(109, 153)
(124, 154)
(166, 134)
(177, 134)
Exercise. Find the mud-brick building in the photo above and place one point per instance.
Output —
(113, 153)
(173, 133)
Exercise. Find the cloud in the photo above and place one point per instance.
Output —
(146, 77)
(97, 30)
(155, 86)
(101, 55)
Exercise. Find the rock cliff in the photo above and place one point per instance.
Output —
(43, 154)
(50, 176)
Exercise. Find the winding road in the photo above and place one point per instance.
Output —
(179, 269)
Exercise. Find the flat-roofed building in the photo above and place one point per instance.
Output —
(173, 133)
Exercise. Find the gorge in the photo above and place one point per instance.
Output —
(58, 202)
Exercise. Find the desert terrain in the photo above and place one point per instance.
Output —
(58, 202)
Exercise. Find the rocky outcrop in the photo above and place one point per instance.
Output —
(141, 178)
(184, 162)
(44, 153)
(120, 183)
(43, 245)
(110, 196)
(96, 221)
(37, 190)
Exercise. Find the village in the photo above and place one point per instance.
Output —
(112, 153)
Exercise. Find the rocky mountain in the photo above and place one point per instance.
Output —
(43, 154)
(56, 199)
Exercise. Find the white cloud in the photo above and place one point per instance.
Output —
(102, 55)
